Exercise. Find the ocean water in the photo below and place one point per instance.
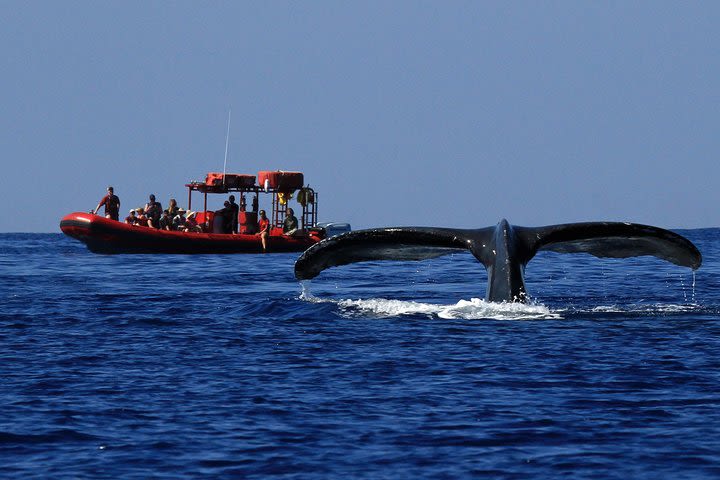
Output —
(142, 366)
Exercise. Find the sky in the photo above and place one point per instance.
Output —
(437, 113)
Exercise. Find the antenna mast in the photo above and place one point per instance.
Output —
(227, 141)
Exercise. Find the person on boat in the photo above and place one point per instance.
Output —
(225, 214)
(173, 208)
(191, 224)
(112, 205)
(131, 219)
(290, 226)
(234, 212)
(264, 227)
(165, 220)
(142, 219)
(178, 222)
(153, 211)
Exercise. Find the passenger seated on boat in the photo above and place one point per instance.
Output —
(178, 222)
(290, 226)
(165, 220)
(131, 219)
(173, 208)
(153, 211)
(264, 226)
(191, 224)
(141, 219)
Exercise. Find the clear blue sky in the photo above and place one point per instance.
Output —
(399, 113)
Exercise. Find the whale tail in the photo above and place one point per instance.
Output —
(504, 250)
(613, 240)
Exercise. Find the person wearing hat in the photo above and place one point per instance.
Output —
(131, 219)
(191, 224)
(178, 222)
(112, 205)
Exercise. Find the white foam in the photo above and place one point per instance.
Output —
(478, 308)
(465, 309)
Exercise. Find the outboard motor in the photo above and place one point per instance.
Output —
(334, 228)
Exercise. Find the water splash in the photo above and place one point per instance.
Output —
(305, 290)
(683, 288)
(478, 308)
(693, 287)
(472, 309)
(651, 309)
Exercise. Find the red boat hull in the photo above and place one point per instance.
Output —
(102, 235)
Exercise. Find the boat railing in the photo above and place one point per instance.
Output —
(308, 217)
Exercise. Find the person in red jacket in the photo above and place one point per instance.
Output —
(112, 205)
(264, 227)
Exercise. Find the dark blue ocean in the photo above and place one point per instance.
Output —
(152, 366)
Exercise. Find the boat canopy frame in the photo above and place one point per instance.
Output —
(307, 218)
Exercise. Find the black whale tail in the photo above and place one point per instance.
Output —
(504, 250)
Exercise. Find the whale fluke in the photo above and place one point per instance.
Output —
(504, 250)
